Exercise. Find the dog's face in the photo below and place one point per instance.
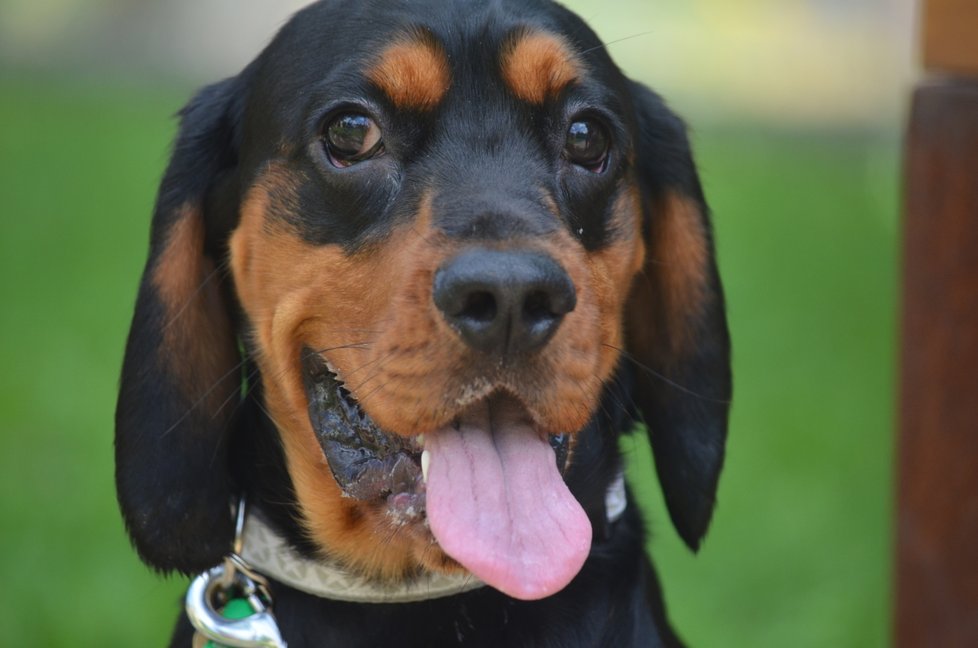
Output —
(435, 230)
(442, 220)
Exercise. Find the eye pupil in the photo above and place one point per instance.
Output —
(580, 136)
(351, 138)
(348, 133)
(587, 145)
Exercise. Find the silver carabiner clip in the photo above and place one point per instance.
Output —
(233, 579)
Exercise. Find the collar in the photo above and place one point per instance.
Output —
(271, 555)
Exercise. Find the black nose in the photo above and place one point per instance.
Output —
(504, 302)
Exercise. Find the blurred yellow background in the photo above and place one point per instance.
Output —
(798, 61)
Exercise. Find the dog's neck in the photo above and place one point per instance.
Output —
(271, 555)
(266, 551)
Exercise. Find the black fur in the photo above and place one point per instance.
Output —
(685, 403)
(171, 453)
(179, 462)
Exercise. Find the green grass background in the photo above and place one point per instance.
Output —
(799, 551)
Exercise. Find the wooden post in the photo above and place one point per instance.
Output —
(937, 517)
(950, 36)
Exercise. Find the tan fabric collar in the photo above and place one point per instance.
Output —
(270, 554)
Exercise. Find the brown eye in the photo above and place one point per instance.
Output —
(352, 137)
(587, 145)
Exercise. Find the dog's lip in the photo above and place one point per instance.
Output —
(368, 463)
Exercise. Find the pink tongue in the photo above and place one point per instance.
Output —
(498, 505)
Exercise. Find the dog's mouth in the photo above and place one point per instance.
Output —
(366, 463)
(489, 484)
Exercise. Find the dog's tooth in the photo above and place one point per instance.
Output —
(425, 462)
(419, 440)
(336, 374)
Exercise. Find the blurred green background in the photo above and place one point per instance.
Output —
(796, 108)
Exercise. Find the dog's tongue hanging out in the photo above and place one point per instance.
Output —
(498, 504)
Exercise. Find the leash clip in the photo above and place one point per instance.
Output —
(230, 604)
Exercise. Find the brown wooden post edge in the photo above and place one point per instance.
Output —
(937, 512)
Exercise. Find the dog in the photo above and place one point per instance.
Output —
(412, 274)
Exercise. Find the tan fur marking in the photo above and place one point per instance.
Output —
(373, 317)
(197, 341)
(537, 66)
(414, 73)
(680, 249)
(674, 283)
(298, 295)
(613, 269)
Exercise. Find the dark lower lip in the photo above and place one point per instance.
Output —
(367, 463)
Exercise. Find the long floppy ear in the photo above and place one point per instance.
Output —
(676, 328)
(179, 379)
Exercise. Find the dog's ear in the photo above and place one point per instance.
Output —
(676, 329)
(180, 383)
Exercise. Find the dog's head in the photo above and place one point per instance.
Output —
(449, 227)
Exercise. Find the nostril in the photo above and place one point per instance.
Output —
(479, 306)
(537, 308)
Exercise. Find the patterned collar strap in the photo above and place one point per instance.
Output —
(270, 554)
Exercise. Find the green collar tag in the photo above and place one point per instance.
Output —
(236, 608)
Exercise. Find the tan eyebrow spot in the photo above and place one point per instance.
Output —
(413, 72)
(537, 66)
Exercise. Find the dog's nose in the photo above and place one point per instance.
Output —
(504, 302)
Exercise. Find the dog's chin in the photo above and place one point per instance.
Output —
(370, 464)
(487, 486)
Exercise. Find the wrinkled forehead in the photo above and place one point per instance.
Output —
(421, 54)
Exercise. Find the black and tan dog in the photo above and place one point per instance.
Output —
(411, 274)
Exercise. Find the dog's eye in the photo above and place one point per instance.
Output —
(350, 138)
(587, 145)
